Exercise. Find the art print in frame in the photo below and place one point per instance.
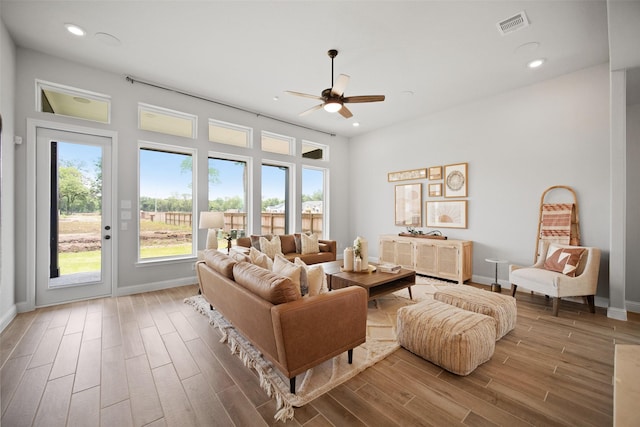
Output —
(447, 214)
(455, 180)
(407, 175)
(408, 205)
(435, 190)
(435, 172)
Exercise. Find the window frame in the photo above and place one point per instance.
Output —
(325, 196)
(71, 91)
(323, 147)
(172, 149)
(290, 200)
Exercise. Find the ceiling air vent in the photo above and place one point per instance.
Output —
(513, 23)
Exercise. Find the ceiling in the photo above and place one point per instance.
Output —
(425, 56)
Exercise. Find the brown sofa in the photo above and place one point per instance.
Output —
(295, 333)
(291, 249)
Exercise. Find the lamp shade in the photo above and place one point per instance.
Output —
(211, 220)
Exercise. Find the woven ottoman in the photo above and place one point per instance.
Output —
(501, 307)
(454, 339)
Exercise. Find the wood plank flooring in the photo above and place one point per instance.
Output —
(151, 360)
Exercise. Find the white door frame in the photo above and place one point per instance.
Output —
(30, 274)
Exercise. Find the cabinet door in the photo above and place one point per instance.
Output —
(426, 258)
(387, 251)
(448, 262)
(404, 254)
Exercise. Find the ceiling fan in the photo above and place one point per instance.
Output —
(333, 98)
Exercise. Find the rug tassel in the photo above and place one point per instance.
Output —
(284, 414)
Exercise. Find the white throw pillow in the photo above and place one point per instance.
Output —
(284, 267)
(316, 278)
(309, 244)
(271, 248)
(260, 259)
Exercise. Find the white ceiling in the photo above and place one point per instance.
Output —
(246, 53)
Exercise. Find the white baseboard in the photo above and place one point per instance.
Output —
(484, 280)
(8, 317)
(155, 286)
(633, 306)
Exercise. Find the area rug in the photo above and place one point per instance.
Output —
(381, 342)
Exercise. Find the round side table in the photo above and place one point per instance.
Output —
(495, 286)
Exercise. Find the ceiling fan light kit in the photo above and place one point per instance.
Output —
(333, 98)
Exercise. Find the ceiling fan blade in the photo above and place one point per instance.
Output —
(340, 85)
(344, 111)
(304, 95)
(365, 98)
(311, 110)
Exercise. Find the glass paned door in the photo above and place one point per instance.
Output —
(73, 220)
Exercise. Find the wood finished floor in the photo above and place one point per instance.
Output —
(151, 360)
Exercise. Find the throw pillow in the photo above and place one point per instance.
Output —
(309, 244)
(564, 260)
(240, 257)
(260, 259)
(315, 276)
(271, 248)
(284, 267)
(298, 242)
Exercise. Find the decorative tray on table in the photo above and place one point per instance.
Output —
(371, 269)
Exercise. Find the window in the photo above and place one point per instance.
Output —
(228, 133)
(312, 150)
(170, 122)
(68, 101)
(279, 144)
(166, 202)
(228, 180)
(275, 199)
(313, 200)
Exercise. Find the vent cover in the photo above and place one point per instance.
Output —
(513, 23)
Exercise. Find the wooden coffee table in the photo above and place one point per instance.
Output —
(376, 284)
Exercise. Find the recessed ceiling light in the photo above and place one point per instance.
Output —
(536, 63)
(356, 124)
(75, 30)
(81, 100)
(276, 98)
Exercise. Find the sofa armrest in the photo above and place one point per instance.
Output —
(314, 329)
(332, 244)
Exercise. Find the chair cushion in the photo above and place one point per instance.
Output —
(564, 260)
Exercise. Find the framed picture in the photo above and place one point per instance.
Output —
(408, 205)
(406, 175)
(435, 190)
(447, 214)
(435, 172)
(455, 180)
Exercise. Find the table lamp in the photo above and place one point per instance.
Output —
(212, 221)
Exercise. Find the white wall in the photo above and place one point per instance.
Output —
(517, 144)
(7, 99)
(633, 207)
(125, 96)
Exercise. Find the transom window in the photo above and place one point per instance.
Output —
(313, 150)
(164, 120)
(72, 102)
(229, 133)
(279, 144)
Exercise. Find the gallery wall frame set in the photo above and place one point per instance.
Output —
(447, 213)
(407, 175)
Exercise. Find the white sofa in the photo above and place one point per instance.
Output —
(558, 285)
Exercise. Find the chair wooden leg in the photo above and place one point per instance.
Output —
(591, 303)
(513, 289)
(292, 385)
(556, 306)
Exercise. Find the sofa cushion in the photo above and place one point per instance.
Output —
(220, 262)
(255, 240)
(309, 244)
(260, 259)
(271, 247)
(563, 260)
(316, 279)
(271, 287)
(324, 247)
(287, 243)
(296, 273)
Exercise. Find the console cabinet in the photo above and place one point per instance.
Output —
(445, 259)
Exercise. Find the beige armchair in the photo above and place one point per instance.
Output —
(558, 285)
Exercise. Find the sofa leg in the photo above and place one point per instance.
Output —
(211, 307)
(292, 385)
(591, 303)
(350, 356)
(513, 289)
(556, 306)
